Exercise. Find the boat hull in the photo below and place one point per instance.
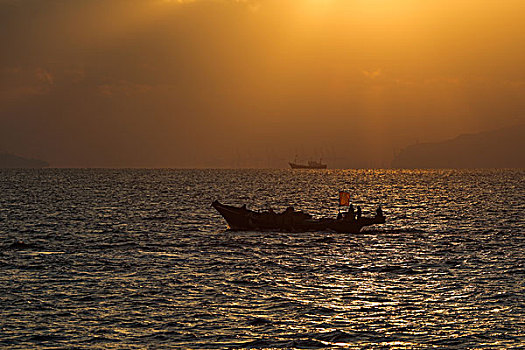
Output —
(242, 219)
(302, 166)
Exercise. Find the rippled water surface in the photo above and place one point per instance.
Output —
(138, 258)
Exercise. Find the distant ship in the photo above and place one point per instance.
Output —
(311, 165)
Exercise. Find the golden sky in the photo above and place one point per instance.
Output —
(253, 83)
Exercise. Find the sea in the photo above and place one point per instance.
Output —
(138, 258)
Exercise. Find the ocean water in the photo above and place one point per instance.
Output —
(138, 259)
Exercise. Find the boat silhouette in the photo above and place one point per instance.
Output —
(310, 165)
(243, 219)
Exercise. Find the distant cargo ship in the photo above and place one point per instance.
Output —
(310, 165)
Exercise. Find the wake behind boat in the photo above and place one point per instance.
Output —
(243, 219)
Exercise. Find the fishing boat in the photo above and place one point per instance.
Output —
(244, 219)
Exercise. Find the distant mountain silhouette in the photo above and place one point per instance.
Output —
(13, 161)
(503, 148)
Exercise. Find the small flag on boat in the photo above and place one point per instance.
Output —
(344, 198)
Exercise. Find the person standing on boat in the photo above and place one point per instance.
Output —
(358, 212)
(351, 212)
(379, 212)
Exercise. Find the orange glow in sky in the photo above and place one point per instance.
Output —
(252, 83)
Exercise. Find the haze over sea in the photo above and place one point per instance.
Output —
(138, 258)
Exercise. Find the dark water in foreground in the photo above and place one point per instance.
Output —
(137, 258)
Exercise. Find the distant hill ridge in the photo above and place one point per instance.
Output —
(8, 160)
(503, 148)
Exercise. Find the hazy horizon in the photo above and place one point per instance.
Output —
(226, 84)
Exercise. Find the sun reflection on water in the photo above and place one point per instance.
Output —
(439, 273)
